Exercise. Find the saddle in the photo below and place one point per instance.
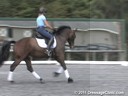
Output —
(39, 36)
(43, 41)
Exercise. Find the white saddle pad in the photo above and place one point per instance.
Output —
(41, 43)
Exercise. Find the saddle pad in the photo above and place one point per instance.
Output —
(41, 43)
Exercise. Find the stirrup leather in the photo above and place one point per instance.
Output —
(49, 52)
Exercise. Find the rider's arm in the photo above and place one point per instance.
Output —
(48, 25)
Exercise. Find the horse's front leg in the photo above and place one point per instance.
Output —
(63, 68)
(70, 80)
(59, 71)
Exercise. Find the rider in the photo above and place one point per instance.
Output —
(41, 24)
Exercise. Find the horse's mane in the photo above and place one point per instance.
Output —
(61, 28)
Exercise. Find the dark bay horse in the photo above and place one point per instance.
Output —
(26, 48)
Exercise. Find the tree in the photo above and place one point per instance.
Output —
(108, 9)
(56, 8)
(65, 8)
(5, 8)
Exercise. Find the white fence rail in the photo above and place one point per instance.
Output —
(123, 63)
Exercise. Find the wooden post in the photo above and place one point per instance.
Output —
(105, 56)
(87, 56)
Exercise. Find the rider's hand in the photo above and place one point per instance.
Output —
(54, 31)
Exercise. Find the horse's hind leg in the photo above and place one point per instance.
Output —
(30, 68)
(12, 68)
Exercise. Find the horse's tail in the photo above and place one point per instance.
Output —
(5, 50)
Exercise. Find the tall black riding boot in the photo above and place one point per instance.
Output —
(50, 43)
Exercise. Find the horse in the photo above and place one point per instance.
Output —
(27, 47)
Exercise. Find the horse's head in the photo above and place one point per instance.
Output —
(71, 38)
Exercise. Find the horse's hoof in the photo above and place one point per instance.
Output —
(70, 80)
(42, 81)
(56, 74)
(11, 82)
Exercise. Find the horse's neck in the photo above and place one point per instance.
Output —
(62, 38)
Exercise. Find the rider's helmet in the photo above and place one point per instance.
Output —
(42, 10)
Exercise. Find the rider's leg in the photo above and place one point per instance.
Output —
(50, 43)
(45, 33)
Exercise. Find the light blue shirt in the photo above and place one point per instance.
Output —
(40, 20)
